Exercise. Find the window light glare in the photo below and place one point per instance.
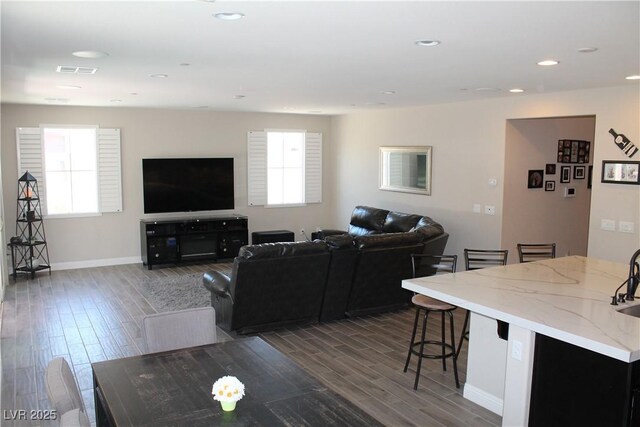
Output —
(516, 90)
(159, 76)
(69, 87)
(634, 77)
(548, 62)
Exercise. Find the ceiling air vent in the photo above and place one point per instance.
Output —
(68, 69)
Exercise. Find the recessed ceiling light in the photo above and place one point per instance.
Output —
(229, 16)
(548, 62)
(238, 96)
(389, 92)
(201, 107)
(516, 90)
(315, 112)
(185, 64)
(115, 100)
(90, 54)
(635, 77)
(56, 99)
(68, 87)
(427, 42)
(487, 89)
(159, 76)
(587, 49)
(133, 93)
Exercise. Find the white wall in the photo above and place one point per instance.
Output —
(468, 140)
(154, 133)
(537, 215)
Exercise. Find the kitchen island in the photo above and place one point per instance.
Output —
(564, 339)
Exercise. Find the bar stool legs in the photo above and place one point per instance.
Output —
(464, 335)
(442, 344)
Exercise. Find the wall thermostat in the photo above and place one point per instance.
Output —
(569, 192)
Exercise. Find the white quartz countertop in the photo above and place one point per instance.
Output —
(564, 298)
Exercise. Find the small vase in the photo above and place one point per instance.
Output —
(228, 406)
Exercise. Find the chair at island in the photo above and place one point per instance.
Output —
(528, 252)
(475, 259)
(428, 265)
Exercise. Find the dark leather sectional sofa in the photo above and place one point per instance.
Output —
(341, 274)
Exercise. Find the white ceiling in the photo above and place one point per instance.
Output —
(311, 57)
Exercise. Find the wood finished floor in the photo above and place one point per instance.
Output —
(94, 314)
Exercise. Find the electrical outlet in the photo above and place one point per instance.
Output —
(490, 210)
(302, 231)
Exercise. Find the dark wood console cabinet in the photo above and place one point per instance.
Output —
(199, 239)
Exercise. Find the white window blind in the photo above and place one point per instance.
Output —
(257, 192)
(109, 170)
(31, 158)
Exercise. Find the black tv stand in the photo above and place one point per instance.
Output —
(172, 241)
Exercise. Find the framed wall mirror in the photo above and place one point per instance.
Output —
(406, 169)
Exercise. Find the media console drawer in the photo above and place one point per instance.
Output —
(181, 240)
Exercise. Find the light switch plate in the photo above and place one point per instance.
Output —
(476, 208)
(625, 227)
(608, 224)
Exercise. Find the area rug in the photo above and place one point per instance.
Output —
(176, 293)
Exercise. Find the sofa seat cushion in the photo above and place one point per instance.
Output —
(387, 240)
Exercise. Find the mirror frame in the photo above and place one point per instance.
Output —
(426, 150)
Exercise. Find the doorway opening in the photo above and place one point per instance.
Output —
(555, 206)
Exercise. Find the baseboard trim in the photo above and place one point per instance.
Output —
(94, 263)
(482, 398)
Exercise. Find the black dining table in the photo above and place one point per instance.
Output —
(173, 388)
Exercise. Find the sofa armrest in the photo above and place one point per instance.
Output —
(217, 283)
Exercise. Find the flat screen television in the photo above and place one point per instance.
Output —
(187, 185)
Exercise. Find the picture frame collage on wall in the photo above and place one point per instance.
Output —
(539, 178)
(573, 151)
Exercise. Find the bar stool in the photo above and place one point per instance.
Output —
(427, 265)
(475, 259)
(528, 252)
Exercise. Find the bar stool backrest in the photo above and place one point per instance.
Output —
(429, 265)
(528, 252)
(475, 259)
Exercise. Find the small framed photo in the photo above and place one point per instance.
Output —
(565, 174)
(550, 169)
(550, 186)
(579, 172)
(535, 178)
(621, 172)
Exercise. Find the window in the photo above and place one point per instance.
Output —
(71, 170)
(284, 168)
(78, 168)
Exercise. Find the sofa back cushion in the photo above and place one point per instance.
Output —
(397, 222)
(282, 249)
(428, 228)
(367, 220)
